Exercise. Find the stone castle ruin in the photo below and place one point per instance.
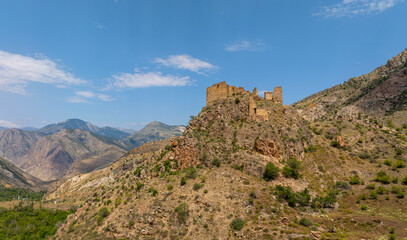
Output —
(220, 91)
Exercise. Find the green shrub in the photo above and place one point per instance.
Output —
(355, 180)
(399, 152)
(183, 181)
(191, 173)
(382, 177)
(102, 214)
(170, 187)
(311, 148)
(404, 182)
(388, 162)
(400, 164)
(139, 185)
(305, 222)
(197, 186)
(216, 162)
(237, 224)
(291, 170)
(153, 191)
(335, 144)
(182, 212)
(292, 198)
(381, 190)
(373, 195)
(271, 171)
(342, 185)
(363, 207)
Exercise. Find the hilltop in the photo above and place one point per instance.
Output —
(383, 91)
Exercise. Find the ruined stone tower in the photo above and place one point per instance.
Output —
(278, 95)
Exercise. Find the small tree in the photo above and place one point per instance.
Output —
(237, 224)
(182, 212)
(271, 171)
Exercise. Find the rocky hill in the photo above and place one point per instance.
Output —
(13, 177)
(15, 143)
(69, 151)
(239, 174)
(154, 131)
(383, 91)
(80, 124)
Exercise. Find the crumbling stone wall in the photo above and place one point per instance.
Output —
(268, 96)
(278, 95)
(221, 91)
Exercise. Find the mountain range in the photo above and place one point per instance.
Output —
(73, 147)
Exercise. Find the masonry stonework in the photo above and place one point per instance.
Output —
(220, 91)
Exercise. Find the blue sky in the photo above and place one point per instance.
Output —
(125, 63)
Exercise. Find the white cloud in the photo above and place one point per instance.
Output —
(149, 79)
(186, 62)
(348, 8)
(18, 71)
(87, 96)
(244, 46)
(8, 124)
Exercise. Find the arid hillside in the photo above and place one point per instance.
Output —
(237, 175)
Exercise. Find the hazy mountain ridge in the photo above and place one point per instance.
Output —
(15, 143)
(380, 92)
(154, 131)
(54, 156)
(80, 124)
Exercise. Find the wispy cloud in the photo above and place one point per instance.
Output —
(99, 26)
(8, 124)
(18, 71)
(186, 62)
(349, 8)
(149, 79)
(88, 96)
(244, 46)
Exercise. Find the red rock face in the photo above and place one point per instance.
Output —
(185, 153)
(267, 148)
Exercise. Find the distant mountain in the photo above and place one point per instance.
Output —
(383, 91)
(127, 130)
(12, 176)
(15, 143)
(2, 128)
(70, 151)
(155, 131)
(29, 128)
(80, 124)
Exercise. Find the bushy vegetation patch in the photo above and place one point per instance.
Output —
(237, 224)
(271, 171)
(25, 222)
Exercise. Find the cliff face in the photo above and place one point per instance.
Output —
(383, 91)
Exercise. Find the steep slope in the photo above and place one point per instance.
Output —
(154, 131)
(13, 177)
(383, 91)
(79, 124)
(210, 183)
(70, 151)
(15, 143)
